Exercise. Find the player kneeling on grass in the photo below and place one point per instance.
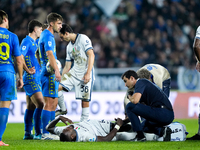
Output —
(149, 102)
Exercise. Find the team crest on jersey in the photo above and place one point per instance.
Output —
(49, 43)
(23, 48)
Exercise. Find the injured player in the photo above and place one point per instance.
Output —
(92, 131)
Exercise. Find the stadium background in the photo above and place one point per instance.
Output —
(125, 34)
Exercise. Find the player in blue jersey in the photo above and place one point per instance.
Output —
(9, 49)
(149, 102)
(47, 50)
(32, 83)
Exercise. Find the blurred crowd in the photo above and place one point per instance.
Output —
(138, 32)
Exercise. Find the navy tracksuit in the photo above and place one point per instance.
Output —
(154, 107)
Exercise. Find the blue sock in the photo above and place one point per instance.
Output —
(52, 115)
(37, 120)
(46, 117)
(28, 121)
(3, 120)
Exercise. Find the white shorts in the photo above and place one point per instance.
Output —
(82, 91)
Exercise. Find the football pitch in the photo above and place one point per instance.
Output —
(15, 131)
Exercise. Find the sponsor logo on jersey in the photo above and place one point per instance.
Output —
(49, 43)
(23, 48)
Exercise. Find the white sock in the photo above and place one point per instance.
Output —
(61, 102)
(85, 114)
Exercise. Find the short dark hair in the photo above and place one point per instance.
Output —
(3, 15)
(32, 24)
(66, 28)
(144, 73)
(44, 26)
(129, 73)
(64, 138)
(53, 17)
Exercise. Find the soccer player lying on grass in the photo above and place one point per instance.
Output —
(90, 130)
(94, 130)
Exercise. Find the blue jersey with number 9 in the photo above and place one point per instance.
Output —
(9, 48)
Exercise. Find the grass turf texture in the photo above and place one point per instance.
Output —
(15, 131)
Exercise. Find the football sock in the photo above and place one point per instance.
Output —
(52, 115)
(61, 102)
(37, 120)
(28, 116)
(199, 125)
(46, 117)
(3, 120)
(85, 114)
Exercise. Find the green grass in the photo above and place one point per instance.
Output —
(15, 132)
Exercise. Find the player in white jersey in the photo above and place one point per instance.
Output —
(81, 75)
(196, 49)
(91, 131)
(156, 74)
(88, 130)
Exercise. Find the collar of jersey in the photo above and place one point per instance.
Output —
(30, 38)
(76, 135)
(75, 39)
(47, 31)
(3, 28)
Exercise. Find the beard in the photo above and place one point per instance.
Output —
(55, 30)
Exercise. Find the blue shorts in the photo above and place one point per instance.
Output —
(49, 86)
(8, 89)
(32, 87)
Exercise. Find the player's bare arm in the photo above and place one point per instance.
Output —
(110, 136)
(53, 63)
(135, 98)
(196, 49)
(91, 57)
(50, 127)
(31, 70)
(67, 67)
(19, 61)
